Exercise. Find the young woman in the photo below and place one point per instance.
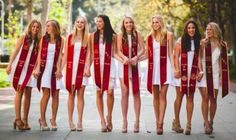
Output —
(130, 48)
(160, 62)
(48, 72)
(77, 55)
(187, 71)
(20, 68)
(103, 48)
(215, 67)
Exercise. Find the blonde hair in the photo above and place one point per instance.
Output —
(38, 36)
(216, 31)
(85, 33)
(162, 30)
(123, 30)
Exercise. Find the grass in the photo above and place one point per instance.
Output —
(3, 78)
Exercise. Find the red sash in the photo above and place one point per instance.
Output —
(209, 71)
(21, 62)
(185, 89)
(163, 62)
(135, 76)
(224, 70)
(69, 66)
(44, 52)
(107, 65)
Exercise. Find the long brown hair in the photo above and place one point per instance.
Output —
(29, 34)
(123, 30)
(56, 30)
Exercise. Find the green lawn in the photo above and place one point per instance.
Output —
(3, 78)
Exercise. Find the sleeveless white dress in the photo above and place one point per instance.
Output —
(77, 49)
(112, 82)
(32, 81)
(156, 65)
(177, 82)
(121, 65)
(215, 68)
(46, 77)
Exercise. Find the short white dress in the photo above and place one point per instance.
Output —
(177, 82)
(156, 65)
(112, 82)
(77, 49)
(46, 77)
(32, 81)
(121, 65)
(215, 68)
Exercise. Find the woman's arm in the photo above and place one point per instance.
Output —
(15, 52)
(91, 40)
(115, 50)
(145, 54)
(176, 56)
(64, 55)
(59, 62)
(87, 61)
(36, 71)
(170, 46)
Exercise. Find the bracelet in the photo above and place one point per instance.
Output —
(201, 72)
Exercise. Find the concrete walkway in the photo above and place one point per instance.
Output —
(224, 125)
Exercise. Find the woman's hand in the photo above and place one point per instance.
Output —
(87, 73)
(36, 73)
(8, 69)
(134, 61)
(126, 61)
(199, 76)
(58, 74)
(177, 74)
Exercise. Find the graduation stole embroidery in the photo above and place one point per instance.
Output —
(224, 70)
(21, 62)
(135, 75)
(163, 62)
(43, 56)
(69, 66)
(188, 87)
(103, 85)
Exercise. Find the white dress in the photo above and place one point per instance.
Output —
(77, 49)
(121, 65)
(46, 77)
(156, 65)
(32, 81)
(177, 82)
(112, 82)
(215, 67)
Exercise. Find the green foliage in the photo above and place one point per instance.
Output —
(14, 31)
(3, 77)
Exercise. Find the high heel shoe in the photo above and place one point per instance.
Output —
(79, 127)
(159, 128)
(109, 124)
(104, 127)
(43, 127)
(53, 125)
(211, 125)
(136, 127)
(72, 126)
(208, 130)
(188, 129)
(26, 125)
(19, 124)
(124, 128)
(177, 127)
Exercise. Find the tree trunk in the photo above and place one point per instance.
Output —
(233, 28)
(69, 16)
(44, 14)
(29, 10)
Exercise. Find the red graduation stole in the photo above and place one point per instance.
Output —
(185, 89)
(135, 76)
(21, 62)
(44, 52)
(163, 62)
(224, 70)
(69, 66)
(107, 65)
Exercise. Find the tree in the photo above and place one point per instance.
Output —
(44, 14)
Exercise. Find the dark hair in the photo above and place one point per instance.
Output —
(108, 31)
(186, 40)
